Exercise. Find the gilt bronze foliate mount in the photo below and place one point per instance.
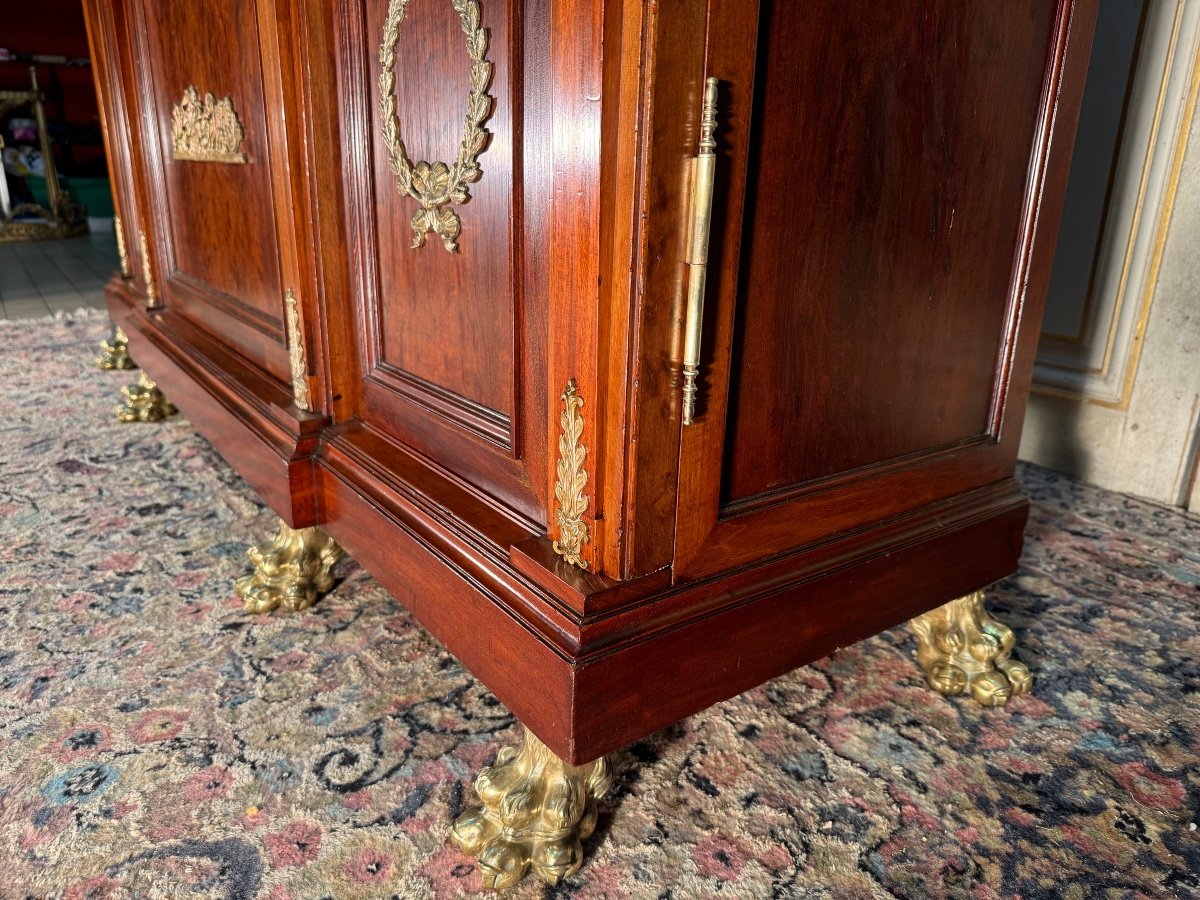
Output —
(572, 477)
(297, 358)
(122, 252)
(206, 129)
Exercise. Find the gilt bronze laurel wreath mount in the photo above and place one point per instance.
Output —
(437, 185)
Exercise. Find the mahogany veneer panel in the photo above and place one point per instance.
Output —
(878, 262)
(449, 320)
(449, 355)
(220, 262)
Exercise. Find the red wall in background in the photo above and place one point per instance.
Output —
(55, 27)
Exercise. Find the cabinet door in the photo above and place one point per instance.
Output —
(214, 226)
(876, 266)
(443, 323)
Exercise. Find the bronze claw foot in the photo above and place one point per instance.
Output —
(144, 402)
(536, 811)
(114, 352)
(291, 570)
(962, 648)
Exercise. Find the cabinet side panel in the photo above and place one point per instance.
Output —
(884, 212)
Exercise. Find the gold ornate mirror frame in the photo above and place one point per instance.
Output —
(437, 184)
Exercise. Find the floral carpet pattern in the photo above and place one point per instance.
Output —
(159, 742)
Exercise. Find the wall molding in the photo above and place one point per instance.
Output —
(1098, 363)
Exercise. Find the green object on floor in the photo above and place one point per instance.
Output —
(37, 187)
(94, 193)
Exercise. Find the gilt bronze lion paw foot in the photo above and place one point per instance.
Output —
(291, 570)
(535, 813)
(963, 649)
(143, 402)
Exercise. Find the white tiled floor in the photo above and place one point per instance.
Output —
(38, 278)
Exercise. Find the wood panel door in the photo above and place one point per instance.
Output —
(217, 230)
(443, 325)
(877, 261)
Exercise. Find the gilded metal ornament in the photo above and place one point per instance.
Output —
(291, 570)
(697, 262)
(114, 352)
(144, 402)
(572, 476)
(434, 185)
(535, 811)
(147, 271)
(206, 130)
(41, 225)
(296, 354)
(962, 648)
(122, 255)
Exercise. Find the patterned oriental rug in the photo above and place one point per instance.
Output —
(156, 741)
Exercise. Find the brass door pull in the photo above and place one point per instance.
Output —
(705, 168)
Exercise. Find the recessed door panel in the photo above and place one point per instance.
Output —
(435, 200)
(218, 228)
(446, 319)
(878, 263)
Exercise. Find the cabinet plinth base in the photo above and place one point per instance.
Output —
(963, 649)
(291, 570)
(143, 402)
(535, 812)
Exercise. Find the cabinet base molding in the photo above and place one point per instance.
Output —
(534, 813)
(114, 352)
(248, 417)
(143, 402)
(599, 660)
(291, 570)
(964, 650)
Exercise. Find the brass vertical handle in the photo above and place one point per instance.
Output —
(704, 170)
